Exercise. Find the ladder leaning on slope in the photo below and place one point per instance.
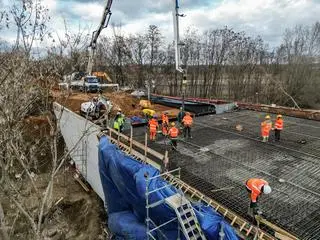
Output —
(186, 217)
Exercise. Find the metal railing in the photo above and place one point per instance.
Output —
(153, 227)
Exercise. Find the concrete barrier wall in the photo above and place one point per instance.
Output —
(81, 139)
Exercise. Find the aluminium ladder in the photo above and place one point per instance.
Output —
(186, 217)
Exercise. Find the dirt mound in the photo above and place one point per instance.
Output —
(123, 100)
(127, 103)
(75, 213)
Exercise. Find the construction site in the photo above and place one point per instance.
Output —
(139, 164)
(226, 150)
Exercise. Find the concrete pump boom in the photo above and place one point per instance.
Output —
(103, 24)
(177, 42)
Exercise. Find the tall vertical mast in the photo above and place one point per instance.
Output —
(177, 43)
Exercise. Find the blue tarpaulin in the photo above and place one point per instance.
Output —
(124, 184)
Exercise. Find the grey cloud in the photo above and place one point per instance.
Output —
(134, 9)
(269, 24)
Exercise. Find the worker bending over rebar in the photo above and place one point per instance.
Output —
(256, 187)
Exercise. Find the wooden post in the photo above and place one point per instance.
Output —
(166, 160)
(131, 136)
(118, 138)
(145, 146)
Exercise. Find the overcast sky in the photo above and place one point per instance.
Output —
(268, 18)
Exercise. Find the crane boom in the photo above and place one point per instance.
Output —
(103, 24)
(177, 42)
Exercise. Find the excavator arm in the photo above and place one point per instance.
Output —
(103, 24)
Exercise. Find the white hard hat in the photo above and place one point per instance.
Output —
(266, 189)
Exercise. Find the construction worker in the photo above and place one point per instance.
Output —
(181, 115)
(255, 188)
(165, 123)
(266, 126)
(153, 126)
(187, 122)
(278, 127)
(173, 134)
(118, 122)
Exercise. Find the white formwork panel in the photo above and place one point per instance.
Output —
(80, 136)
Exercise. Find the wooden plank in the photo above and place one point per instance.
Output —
(277, 229)
(239, 223)
(222, 210)
(137, 154)
(281, 236)
(139, 145)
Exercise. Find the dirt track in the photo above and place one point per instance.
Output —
(127, 103)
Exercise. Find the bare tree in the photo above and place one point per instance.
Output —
(298, 56)
(30, 18)
(138, 46)
(155, 55)
(29, 133)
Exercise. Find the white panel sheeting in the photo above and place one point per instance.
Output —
(81, 139)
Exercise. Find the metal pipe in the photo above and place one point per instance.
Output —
(147, 206)
(131, 137)
(221, 232)
(166, 173)
(145, 146)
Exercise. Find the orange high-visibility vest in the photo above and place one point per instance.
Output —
(255, 185)
(279, 124)
(153, 125)
(265, 128)
(165, 119)
(187, 121)
(173, 132)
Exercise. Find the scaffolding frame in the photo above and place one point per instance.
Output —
(79, 157)
(155, 204)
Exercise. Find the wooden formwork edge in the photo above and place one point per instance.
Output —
(236, 221)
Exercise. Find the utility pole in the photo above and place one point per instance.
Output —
(150, 85)
(178, 46)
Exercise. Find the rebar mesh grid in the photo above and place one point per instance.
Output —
(218, 161)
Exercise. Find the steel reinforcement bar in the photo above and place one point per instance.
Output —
(244, 229)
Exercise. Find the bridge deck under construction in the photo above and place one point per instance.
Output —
(219, 159)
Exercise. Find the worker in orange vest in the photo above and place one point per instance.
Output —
(173, 134)
(266, 126)
(165, 123)
(256, 187)
(153, 126)
(187, 122)
(278, 127)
